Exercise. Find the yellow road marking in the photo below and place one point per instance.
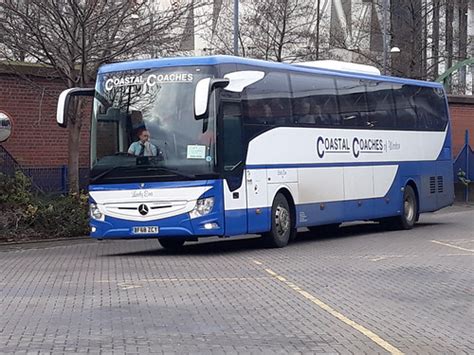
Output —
(368, 333)
(127, 286)
(452, 246)
(206, 279)
(174, 279)
(383, 257)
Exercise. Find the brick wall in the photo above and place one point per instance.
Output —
(461, 109)
(36, 140)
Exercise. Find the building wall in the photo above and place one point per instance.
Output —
(461, 109)
(36, 139)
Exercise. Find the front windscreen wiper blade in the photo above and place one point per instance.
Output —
(107, 172)
(172, 171)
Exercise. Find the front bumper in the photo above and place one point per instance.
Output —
(180, 225)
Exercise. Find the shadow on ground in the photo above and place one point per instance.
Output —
(243, 244)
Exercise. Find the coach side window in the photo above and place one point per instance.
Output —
(381, 105)
(314, 100)
(430, 109)
(352, 103)
(404, 96)
(267, 101)
(232, 134)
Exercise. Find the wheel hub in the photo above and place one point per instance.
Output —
(282, 220)
(409, 208)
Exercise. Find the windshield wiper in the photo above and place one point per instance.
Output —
(167, 170)
(107, 172)
(141, 168)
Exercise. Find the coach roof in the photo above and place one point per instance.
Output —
(225, 59)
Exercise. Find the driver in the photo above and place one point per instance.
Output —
(143, 147)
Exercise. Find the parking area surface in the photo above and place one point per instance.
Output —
(362, 290)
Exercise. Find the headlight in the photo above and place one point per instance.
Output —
(202, 208)
(95, 213)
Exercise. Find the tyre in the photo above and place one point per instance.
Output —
(282, 224)
(409, 214)
(171, 243)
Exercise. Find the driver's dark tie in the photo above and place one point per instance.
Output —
(142, 150)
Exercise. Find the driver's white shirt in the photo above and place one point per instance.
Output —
(150, 149)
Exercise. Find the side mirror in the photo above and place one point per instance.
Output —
(64, 101)
(202, 93)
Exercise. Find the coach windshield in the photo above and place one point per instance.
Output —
(144, 129)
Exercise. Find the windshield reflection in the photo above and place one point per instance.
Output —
(143, 127)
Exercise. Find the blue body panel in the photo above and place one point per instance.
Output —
(238, 222)
(177, 226)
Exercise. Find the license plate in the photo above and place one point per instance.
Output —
(146, 230)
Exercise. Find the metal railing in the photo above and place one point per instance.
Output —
(50, 180)
(463, 167)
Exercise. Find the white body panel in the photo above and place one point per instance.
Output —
(313, 147)
(321, 184)
(299, 146)
(256, 188)
(358, 182)
(341, 66)
(163, 203)
(232, 203)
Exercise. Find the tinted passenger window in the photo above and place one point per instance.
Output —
(232, 135)
(352, 103)
(404, 96)
(431, 109)
(314, 100)
(381, 105)
(268, 101)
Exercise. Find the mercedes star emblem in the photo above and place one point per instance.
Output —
(143, 210)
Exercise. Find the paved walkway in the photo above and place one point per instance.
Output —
(363, 290)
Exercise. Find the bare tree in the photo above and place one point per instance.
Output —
(449, 36)
(408, 20)
(76, 36)
(284, 30)
(463, 43)
(435, 37)
(278, 30)
(414, 28)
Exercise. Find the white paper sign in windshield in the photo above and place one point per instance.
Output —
(196, 152)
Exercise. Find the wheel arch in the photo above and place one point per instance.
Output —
(412, 183)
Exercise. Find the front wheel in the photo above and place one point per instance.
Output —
(171, 243)
(282, 224)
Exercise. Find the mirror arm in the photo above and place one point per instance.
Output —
(219, 83)
(65, 98)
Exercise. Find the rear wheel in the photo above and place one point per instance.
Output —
(171, 243)
(409, 214)
(282, 224)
